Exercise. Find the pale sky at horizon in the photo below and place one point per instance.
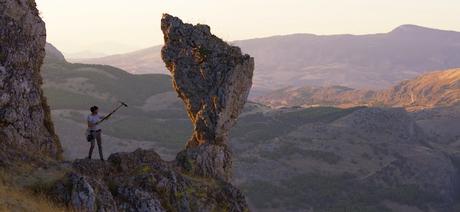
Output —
(115, 26)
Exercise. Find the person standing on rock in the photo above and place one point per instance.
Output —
(94, 131)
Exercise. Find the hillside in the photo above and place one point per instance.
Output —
(373, 61)
(308, 96)
(145, 61)
(436, 89)
(358, 159)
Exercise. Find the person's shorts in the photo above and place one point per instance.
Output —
(93, 135)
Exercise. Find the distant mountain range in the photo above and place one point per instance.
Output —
(84, 54)
(436, 89)
(145, 61)
(356, 61)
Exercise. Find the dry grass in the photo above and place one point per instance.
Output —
(23, 189)
(17, 199)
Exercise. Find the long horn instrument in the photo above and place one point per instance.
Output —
(119, 106)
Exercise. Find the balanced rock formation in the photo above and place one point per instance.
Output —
(215, 91)
(213, 79)
(25, 124)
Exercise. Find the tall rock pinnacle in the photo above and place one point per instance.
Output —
(213, 79)
(25, 122)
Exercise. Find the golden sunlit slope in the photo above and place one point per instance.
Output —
(441, 88)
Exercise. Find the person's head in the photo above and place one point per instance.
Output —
(94, 110)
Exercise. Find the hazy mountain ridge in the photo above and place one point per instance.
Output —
(145, 61)
(436, 89)
(356, 61)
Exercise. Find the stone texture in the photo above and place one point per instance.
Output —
(84, 193)
(210, 76)
(207, 160)
(141, 181)
(213, 79)
(25, 122)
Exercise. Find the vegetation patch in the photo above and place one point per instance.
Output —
(288, 150)
(333, 193)
(260, 127)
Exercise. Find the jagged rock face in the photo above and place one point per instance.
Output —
(213, 79)
(141, 181)
(210, 76)
(25, 121)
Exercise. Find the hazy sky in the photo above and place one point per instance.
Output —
(111, 26)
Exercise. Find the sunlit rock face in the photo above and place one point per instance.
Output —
(25, 122)
(213, 79)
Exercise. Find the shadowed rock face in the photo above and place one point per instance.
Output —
(210, 76)
(25, 122)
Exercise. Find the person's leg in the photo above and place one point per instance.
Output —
(99, 145)
(91, 149)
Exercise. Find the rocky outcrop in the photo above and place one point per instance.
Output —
(25, 123)
(141, 181)
(213, 79)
